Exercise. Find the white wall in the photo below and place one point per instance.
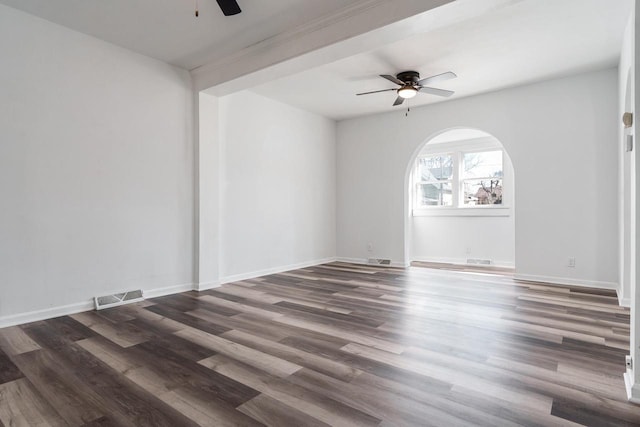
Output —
(277, 194)
(629, 185)
(96, 169)
(633, 378)
(208, 192)
(454, 239)
(561, 137)
(454, 235)
(626, 169)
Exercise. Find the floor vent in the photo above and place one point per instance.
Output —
(478, 261)
(118, 299)
(379, 261)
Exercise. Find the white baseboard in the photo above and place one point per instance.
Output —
(65, 310)
(169, 290)
(47, 313)
(463, 261)
(633, 391)
(273, 270)
(352, 260)
(567, 281)
(207, 285)
(398, 264)
(623, 301)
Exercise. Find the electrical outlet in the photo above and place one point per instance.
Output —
(468, 251)
(572, 262)
(369, 247)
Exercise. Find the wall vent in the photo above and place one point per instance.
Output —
(115, 300)
(478, 261)
(378, 261)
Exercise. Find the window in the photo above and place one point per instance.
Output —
(435, 186)
(481, 178)
(459, 179)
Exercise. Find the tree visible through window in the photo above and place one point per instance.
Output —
(459, 179)
(482, 178)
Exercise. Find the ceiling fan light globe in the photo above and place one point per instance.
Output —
(407, 92)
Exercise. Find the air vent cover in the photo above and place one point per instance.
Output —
(379, 261)
(479, 261)
(118, 299)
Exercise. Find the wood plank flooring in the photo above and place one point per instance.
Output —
(491, 269)
(336, 344)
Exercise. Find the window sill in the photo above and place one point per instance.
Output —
(467, 211)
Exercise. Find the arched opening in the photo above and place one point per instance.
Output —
(460, 201)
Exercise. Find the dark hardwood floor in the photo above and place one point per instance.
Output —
(336, 344)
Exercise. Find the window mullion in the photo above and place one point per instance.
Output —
(456, 179)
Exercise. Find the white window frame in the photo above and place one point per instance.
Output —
(459, 208)
(454, 190)
(462, 180)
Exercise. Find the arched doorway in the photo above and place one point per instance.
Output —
(461, 200)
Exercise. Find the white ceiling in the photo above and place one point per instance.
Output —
(168, 29)
(489, 44)
(463, 134)
(524, 42)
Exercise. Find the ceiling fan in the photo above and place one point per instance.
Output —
(410, 84)
(229, 7)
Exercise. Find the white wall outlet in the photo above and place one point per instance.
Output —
(467, 251)
(572, 262)
(369, 247)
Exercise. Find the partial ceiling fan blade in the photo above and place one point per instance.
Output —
(375, 91)
(399, 100)
(439, 92)
(229, 7)
(392, 79)
(438, 78)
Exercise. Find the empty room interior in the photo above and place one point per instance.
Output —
(312, 213)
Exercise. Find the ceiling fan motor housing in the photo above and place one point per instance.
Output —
(409, 77)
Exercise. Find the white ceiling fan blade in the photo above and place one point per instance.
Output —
(392, 79)
(439, 92)
(438, 78)
(375, 91)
